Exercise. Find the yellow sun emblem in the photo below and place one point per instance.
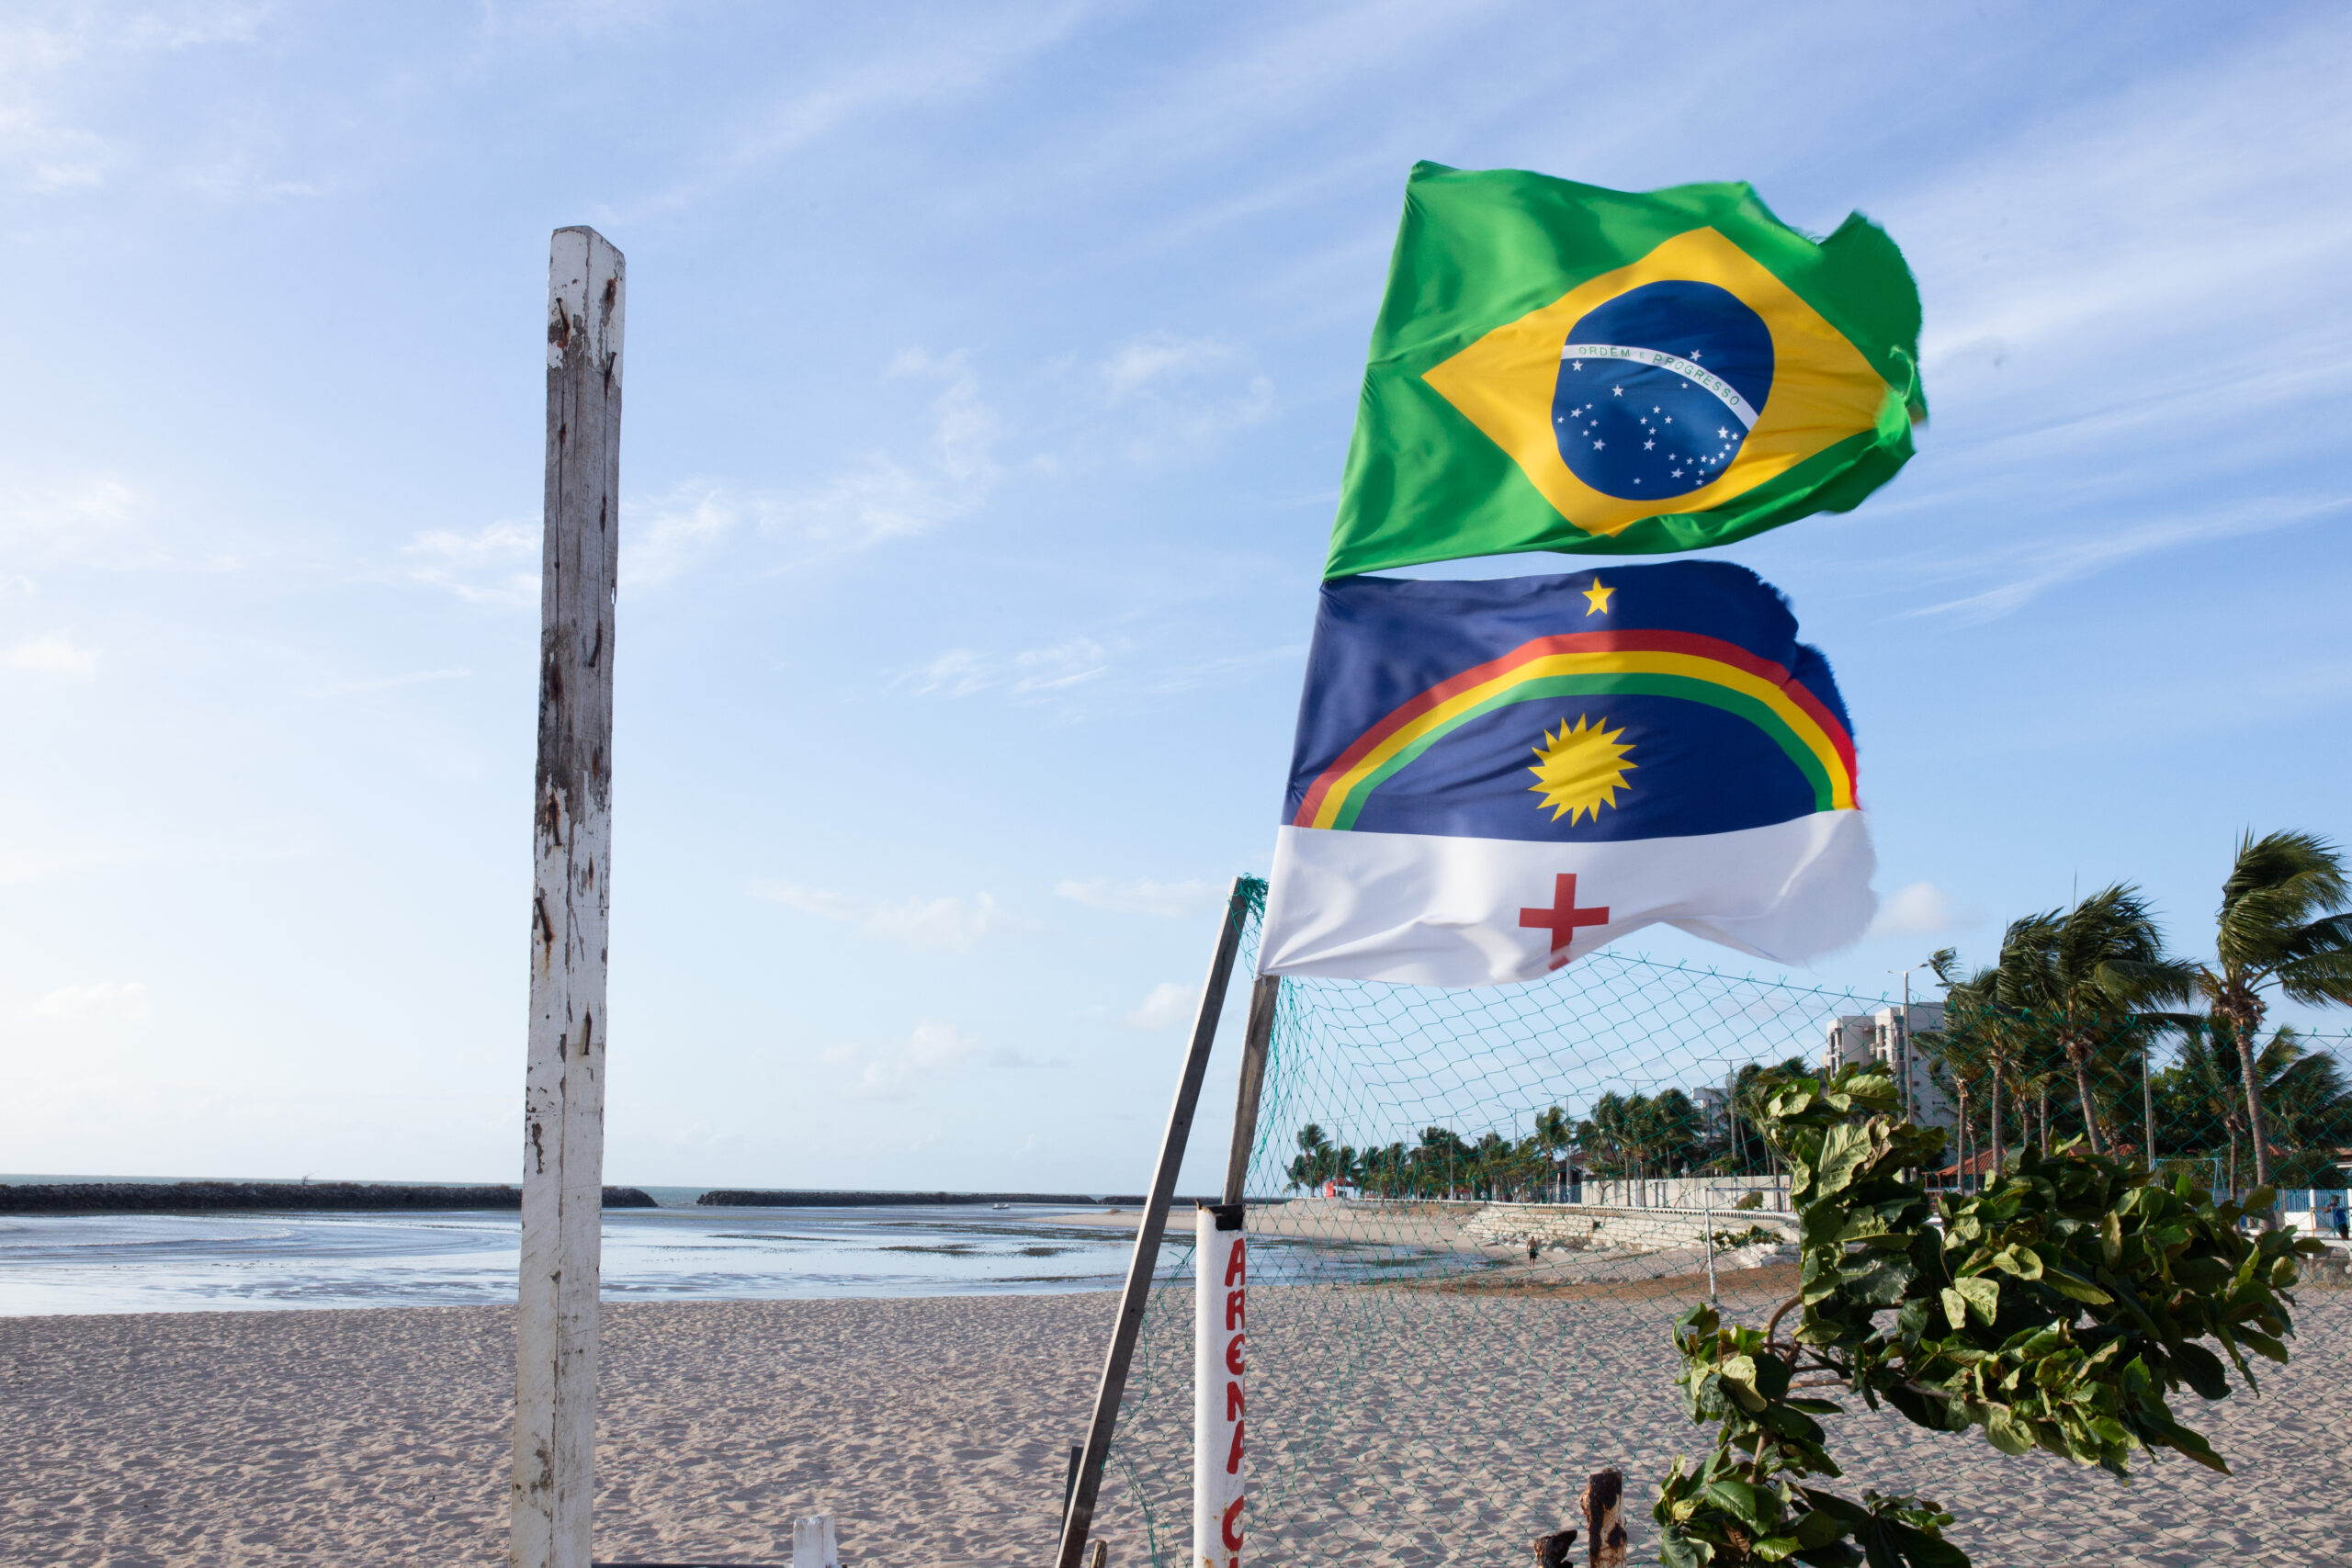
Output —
(1582, 768)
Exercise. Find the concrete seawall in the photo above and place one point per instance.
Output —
(1615, 1229)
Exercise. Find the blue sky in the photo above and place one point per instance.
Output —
(989, 371)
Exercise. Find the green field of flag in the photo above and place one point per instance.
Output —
(1556, 367)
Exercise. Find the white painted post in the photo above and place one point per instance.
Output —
(1219, 1454)
(563, 1098)
(1707, 1224)
(814, 1545)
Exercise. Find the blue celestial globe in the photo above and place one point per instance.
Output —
(1658, 388)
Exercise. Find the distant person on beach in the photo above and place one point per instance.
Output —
(2340, 1219)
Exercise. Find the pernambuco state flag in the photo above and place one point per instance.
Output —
(1556, 367)
(1493, 778)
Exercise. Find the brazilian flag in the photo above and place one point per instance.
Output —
(1557, 366)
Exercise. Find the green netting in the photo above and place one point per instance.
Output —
(1475, 1215)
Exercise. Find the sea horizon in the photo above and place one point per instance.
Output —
(667, 1194)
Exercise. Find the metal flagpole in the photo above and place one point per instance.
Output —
(1137, 1293)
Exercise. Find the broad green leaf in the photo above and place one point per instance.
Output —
(1676, 1550)
(1819, 1528)
(1845, 1149)
(2006, 1434)
(1982, 1296)
(1738, 1499)
(2074, 1288)
(2202, 1369)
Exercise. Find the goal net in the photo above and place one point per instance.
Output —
(1474, 1217)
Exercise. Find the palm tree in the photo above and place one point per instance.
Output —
(1319, 1159)
(2283, 924)
(2090, 972)
(1752, 1086)
(1954, 1066)
(2302, 1090)
(1978, 1027)
(1608, 1134)
(1671, 1128)
(1554, 1135)
(1442, 1156)
(2207, 1084)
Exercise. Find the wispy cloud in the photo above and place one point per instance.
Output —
(1921, 909)
(678, 532)
(496, 564)
(2034, 567)
(1031, 672)
(89, 521)
(937, 925)
(950, 57)
(49, 55)
(1280, 73)
(385, 683)
(1155, 358)
(1081, 675)
(1172, 900)
(934, 1046)
(877, 497)
(2123, 319)
(100, 1001)
(882, 496)
(50, 655)
(1168, 1005)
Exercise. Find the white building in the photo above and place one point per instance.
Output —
(1712, 1106)
(1879, 1037)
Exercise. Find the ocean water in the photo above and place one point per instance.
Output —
(119, 1263)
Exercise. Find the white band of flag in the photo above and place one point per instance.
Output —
(1688, 371)
(1426, 910)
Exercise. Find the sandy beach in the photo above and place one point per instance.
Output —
(935, 1430)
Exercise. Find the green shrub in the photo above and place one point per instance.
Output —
(2058, 1309)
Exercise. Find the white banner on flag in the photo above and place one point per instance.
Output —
(1428, 910)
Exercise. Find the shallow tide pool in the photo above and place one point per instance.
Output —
(118, 1263)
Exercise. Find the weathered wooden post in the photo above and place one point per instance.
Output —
(1604, 1518)
(563, 1093)
(1552, 1550)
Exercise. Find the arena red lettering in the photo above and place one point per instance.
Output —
(1233, 1310)
(1236, 1265)
(1233, 1356)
